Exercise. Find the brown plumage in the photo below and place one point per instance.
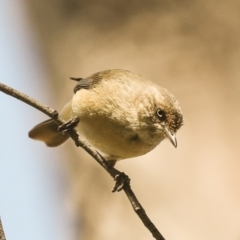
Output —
(121, 114)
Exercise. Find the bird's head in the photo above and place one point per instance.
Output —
(167, 115)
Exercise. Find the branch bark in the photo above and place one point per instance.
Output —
(52, 113)
(2, 235)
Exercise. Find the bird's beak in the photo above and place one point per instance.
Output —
(171, 136)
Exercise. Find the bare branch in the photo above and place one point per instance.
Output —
(2, 235)
(52, 113)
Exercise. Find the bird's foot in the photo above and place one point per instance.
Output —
(121, 181)
(68, 125)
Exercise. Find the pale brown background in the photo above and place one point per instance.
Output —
(190, 47)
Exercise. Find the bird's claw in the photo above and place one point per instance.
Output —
(68, 125)
(121, 180)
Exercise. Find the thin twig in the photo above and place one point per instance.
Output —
(52, 113)
(2, 235)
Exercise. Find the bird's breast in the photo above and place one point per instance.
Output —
(114, 140)
(113, 125)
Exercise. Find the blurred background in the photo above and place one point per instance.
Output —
(192, 48)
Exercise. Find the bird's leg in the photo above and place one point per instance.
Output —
(121, 181)
(111, 163)
(120, 178)
(70, 124)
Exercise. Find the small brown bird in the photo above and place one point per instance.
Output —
(121, 114)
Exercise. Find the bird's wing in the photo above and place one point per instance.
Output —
(93, 80)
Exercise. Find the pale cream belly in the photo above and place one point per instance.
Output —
(115, 141)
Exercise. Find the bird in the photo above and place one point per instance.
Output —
(121, 114)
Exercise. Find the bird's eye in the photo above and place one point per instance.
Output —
(161, 114)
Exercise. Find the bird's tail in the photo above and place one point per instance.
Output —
(47, 132)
